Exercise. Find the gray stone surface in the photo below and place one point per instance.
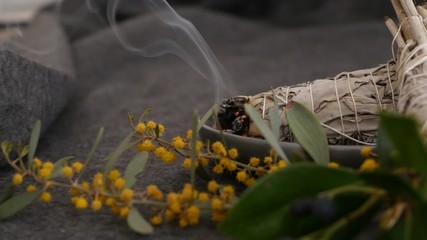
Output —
(114, 81)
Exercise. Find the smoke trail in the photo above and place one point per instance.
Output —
(183, 40)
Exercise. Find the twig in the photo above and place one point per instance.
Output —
(372, 200)
(395, 31)
(401, 16)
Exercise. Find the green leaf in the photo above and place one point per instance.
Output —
(6, 147)
(126, 148)
(8, 193)
(384, 148)
(359, 224)
(266, 132)
(404, 135)
(393, 184)
(157, 131)
(34, 140)
(146, 112)
(193, 143)
(135, 167)
(300, 157)
(397, 232)
(57, 167)
(17, 203)
(206, 117)
(93, 149)
(23, 151)
(131, 118)
(275, 119)
(138, 224)
(308, 132)
(417, 222)
(123, 146)
(274, 192)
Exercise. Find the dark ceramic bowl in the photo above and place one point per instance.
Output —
(345, 155)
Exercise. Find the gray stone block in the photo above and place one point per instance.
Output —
(36, 78)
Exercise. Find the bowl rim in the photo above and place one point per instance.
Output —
(235, 137)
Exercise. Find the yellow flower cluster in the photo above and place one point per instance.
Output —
(140, 128)
(45, 169)
(178, 143)
(181, 206)
(184, 206)
(219, 149)
(165, 155)
(333, 165)
(45, 197)
(149, 128)
(366, 151)
(67, 171)
(110, 192)
(154, 192)
(146, 145)
(369, 164)
(31, 188)
(245, 173)
(221, 200)
(146, 132)
(17, 179)
(156, 220)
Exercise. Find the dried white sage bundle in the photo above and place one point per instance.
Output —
(347, 104)
(411, 40)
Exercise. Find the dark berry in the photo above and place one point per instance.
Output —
(301, 207)
(324, 209)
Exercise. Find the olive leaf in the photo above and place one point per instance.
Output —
(137, 223)
(193, 143)
(23, 151)
(146, 112)
(135, 167)
(112, 159)
(93, 149)
(8, 193)
(308, 132)
(393, 184)
(6, 147)
(275, 119)
(128, 146)
(404, 135)
(266, 131)
(15, 204)
(384, 148)
(34, 140)
(259, 212)
(131, 118)
(415, 226)
(206, 117)
(57, 167)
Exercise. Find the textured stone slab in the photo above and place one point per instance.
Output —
(36, 78)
